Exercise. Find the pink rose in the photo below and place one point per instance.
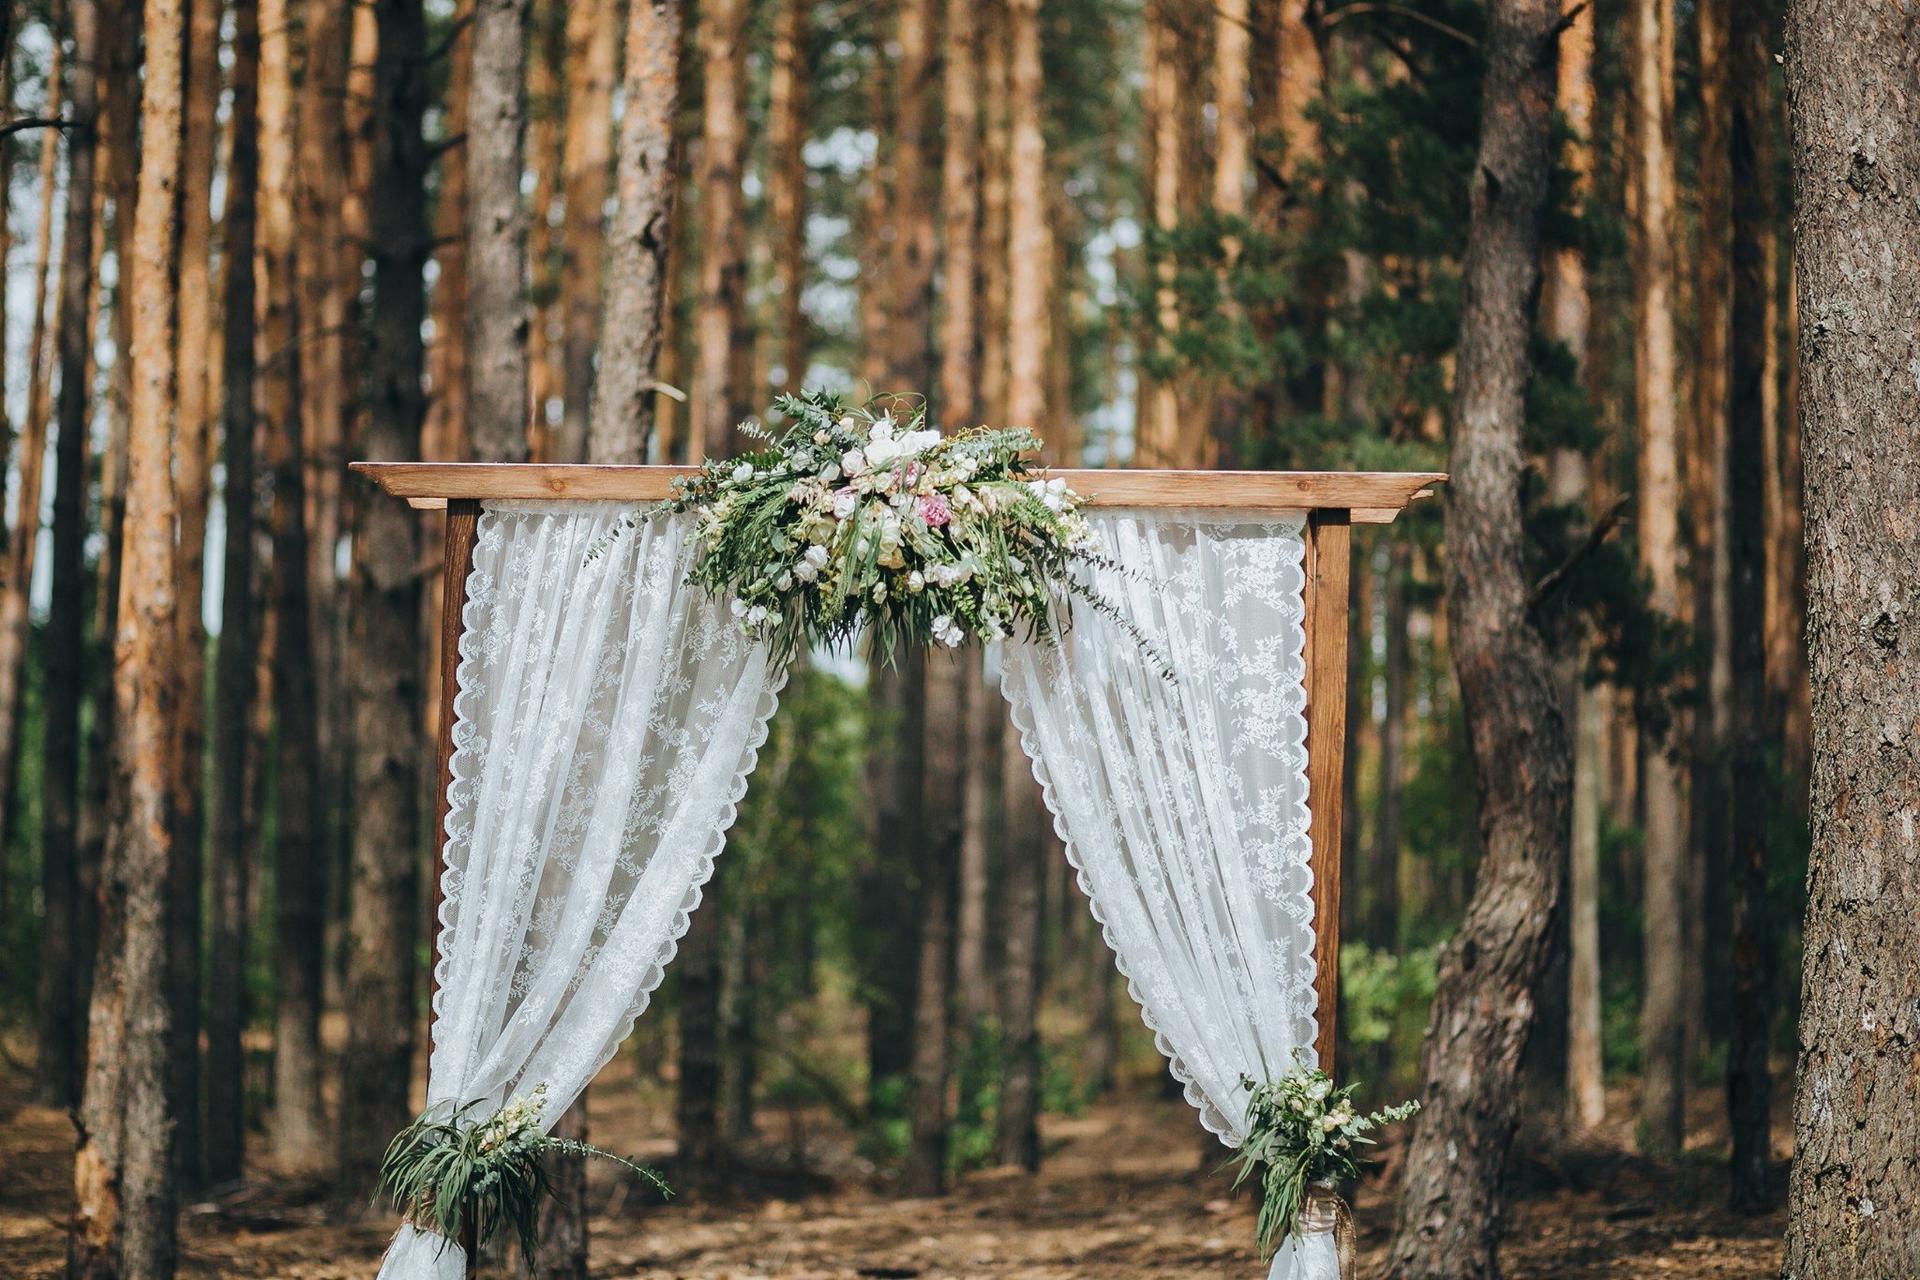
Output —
(935, 511)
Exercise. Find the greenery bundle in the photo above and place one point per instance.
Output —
(1301, 1130)
(446, 1174)
(861, 518)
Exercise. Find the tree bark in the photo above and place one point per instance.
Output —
(641, 234)
(1749, 1084)
(30, 452)
(986, 716)
(63, 955)
(1024, 848)
(960, 212)
(123, 1172)
(1159, 432)
(229, 874)
(593, 36)
(1029, 249)
(722, 42)
(938, 854)
(446, 436)
(995, 265)
(897, 703)
(299, 1129)
(497, 317)
(1483, 1007)
(1657, 506)
(788, 103)
(381, 956)
(1855, 1197)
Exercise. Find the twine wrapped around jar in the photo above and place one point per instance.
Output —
(1323, 1243)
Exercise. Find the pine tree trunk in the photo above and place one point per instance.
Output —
(960, 212)
(593, 46)
(1024, 846)
(300, 1137)
(1029, 249)
(446, 436)
(497, 316)
(1855, 1188)
(995, 266)
(65, 955)
(986, 716)
(1657, 505)
(193, 470)
(1483, 1007)
(546, 115)
(1159, 430)
(381, 955)
(641, 234)
(722, 44)
(229, 872)
(787, 108)
(123, 1172)
(30, 454)
(943, 781)
(1754, 117)
(898, 708)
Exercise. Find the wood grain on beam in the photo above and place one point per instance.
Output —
(1374, 497)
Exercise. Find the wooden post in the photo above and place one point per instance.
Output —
(1329, 560)
(463, 526)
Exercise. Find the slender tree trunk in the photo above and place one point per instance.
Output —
(722, 43)
(1749, 1084)
(1856, 1188)
(229, 873)
(787, 109)
(1656, 507)
(64, 956)
(1159, 431)
(938, 854)
(546, 115)
(960, 212)
(497, 317)
(30, 458)
(996, 172)
(986, 715)
(1029, 250)
(593, 46)
(1023, 845)
(123, 1172)
(641, 233)
(1231, 155)
(299, 1129)
(897, 704)
(192, 474)
(1708, 814)
(447, 436)
(381, 955)
(1448, 1222)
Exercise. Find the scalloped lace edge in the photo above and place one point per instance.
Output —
(458, 771)
(1021, 713)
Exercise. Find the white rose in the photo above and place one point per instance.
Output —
(821, 437)
(853, 462)
(831, 473)
(738, 606)
(844, 504)
(806, 571)
(817, 556)
(881, 450)
(785, 581)
(743, 473)
(916, 582)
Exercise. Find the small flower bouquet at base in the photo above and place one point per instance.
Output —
(1302, 1132)
(862, 518)
(445, 1175)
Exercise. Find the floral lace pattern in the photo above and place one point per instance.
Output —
(607, 717)
(1183, 801)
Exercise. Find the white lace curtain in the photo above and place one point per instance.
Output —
(607, 718)
(609, 713)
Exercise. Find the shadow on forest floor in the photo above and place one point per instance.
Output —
(1123, 1194)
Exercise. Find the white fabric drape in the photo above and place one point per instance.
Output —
(607, 717)
(1181, 795)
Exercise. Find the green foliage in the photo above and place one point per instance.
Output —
(1384, 997)
(855, 523)
(1301, 1130)
(446, 1174)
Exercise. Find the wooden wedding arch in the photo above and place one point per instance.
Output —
(1334, 501)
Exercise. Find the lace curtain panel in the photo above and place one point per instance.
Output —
(607, 717)
(1182, 796)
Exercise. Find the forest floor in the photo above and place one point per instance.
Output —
(1122, 1194)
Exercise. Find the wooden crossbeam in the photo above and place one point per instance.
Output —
(1374, 497)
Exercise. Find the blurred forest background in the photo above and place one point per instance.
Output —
(1160, 233)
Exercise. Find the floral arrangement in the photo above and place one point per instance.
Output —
(1301, 1130)
(864, 518)
(446, 1175)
